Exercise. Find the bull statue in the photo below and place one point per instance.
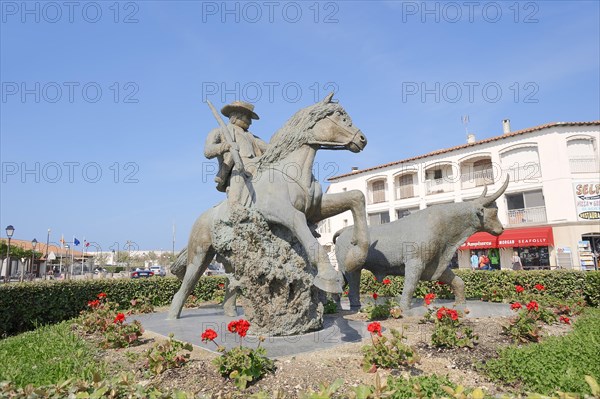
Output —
(421, 245)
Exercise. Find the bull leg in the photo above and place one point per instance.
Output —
(354, 201)
(412, 275)
(194, 270)
(327, 279)
(457, 284)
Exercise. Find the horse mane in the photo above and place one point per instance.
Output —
(296, 131)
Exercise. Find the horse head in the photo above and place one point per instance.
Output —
(335, 131)
(324, 125)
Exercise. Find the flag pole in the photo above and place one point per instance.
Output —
(83, 258)
(73, 244)
(62, 247)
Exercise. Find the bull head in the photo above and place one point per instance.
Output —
(487, 201)
(487, 212)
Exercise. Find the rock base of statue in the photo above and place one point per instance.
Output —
(272, 271)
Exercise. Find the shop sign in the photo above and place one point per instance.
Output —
(587, 200)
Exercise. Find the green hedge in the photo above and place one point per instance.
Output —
(25, 305)
(560, 284)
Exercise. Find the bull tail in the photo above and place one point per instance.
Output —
(339, 233)
(179, 267)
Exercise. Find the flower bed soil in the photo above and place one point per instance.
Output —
(303, 372)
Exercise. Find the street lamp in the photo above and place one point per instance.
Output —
(10, 230)
(33, 245)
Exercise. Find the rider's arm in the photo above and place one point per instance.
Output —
(214, 145)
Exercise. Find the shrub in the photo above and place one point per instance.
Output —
(141, 305)
(24, 305)
(559, 284)
(243, 365)
(387, 353)
(166, 355)
(449, 333)
(330, 307)
(523, 328)
(121, 335)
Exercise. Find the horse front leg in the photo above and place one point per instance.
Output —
(327, 279)
(354, 201)
(194, 270)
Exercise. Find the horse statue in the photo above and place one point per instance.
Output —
(292, 201)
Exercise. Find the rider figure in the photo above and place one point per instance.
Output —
(249, 146)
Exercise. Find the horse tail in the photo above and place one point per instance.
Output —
(180, 265)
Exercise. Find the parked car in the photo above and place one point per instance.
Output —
(214, 270)
(142, 273)
(158, 271)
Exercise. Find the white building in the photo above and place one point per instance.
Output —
(551, 209)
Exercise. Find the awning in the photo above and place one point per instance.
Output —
(532, 237)
(480, 240)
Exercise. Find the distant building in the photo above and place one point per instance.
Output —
(58, 255)
(551, 209)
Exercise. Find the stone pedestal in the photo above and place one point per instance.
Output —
(272, 272)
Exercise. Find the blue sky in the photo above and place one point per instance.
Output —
(114, 94)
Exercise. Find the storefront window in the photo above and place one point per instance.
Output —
(534, 257)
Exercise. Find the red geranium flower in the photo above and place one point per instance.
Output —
(429, 297)
(375, 295)
(516, 306)
(386, 281)
(565, 319)
(346, 293)
(374, 328)
(440, 283)
(119, 319)
(533, 305)
(519, 288)
(221, 285)
(94, 304)
(240, 327)
(209, 335)
(101, 295)
(540, 287)
(445, 312)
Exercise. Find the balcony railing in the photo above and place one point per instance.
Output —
(527, 216)
(583, 164)
(436, 186)
(527, 172)
(477, 179)
(407, 191)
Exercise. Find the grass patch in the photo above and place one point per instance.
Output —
(48, 355)
(557, 363)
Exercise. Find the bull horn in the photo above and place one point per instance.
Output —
(327, 99)
(485, 201)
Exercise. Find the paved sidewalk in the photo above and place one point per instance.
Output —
(337, 330)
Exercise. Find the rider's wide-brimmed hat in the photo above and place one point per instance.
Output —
(239, 106)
